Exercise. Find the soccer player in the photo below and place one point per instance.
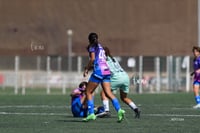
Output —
(78, 102)
(119, 80)
(196, 73)
(100, 75)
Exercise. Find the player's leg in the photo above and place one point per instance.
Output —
(105, 101)
(83, 112)
(130, 103)
(109, 94)
(114, 85)
(115, 102)
(90, 102)
(196, 94)
(124, 90)
(92, 85)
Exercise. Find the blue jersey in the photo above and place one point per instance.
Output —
(196, 65)
(100, 65)
(76, 106)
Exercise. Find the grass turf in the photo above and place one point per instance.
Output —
(166, 113)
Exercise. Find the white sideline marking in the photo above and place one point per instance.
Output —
(52, 106)
(32, 106)
(64, 114)
(44, 114)
(175, 108)
(170, 115)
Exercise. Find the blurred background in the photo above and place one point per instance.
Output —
(43, 42)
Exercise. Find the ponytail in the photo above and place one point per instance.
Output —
(107, 52)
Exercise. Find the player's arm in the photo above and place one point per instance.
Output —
(90, 64)
(84, 100)
(197, 71)
(75, 93)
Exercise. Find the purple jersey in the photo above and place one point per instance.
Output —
(100, 65)
(196, 65)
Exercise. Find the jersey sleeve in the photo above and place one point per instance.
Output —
(91, 49)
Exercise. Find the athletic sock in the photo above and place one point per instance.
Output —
(106, 105)
(132, 105)
(197, 99)
(116, 104)
(90, 106)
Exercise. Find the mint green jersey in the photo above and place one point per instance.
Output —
(119, 78)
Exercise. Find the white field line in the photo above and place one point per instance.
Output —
(41, 114)
(32, 106)
(176, 108)
(52, 106)
(64, 114)
(171, 106)
(170, 115)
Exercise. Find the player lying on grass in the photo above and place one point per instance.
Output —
(196, 73)
(78, 102)
(119, 80)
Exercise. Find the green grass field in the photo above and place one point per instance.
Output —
(40, 113)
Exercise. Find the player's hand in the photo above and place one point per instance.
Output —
(85, 73)
(191, 74)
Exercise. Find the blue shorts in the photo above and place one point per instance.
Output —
(77, 108)
(99, 78)
(196, 82)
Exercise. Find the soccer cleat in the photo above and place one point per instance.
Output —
(121, 114)
(196, 106)
(90, 117)
(105, 114)
(137, 113)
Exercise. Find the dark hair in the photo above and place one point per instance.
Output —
(93, 39)
(196, 48)
(92, 36)
(107, 53)
(82, 84)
